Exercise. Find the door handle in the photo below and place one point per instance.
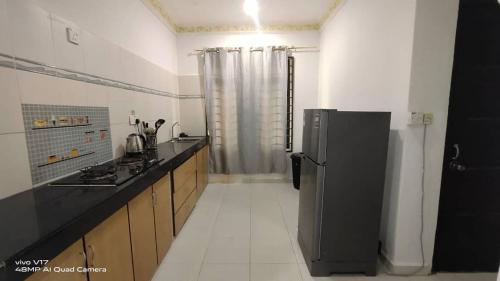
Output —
(84, 261)
(455, 163)
(457, 151)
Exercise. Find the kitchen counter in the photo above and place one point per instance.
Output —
(40, 223)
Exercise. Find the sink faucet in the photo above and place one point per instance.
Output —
(173, 126)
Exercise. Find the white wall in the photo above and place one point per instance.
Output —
(366, 65)
(306, 76)
(366, 57)
(125, 23)
(432, 63)
(120, 40)
(396, 55)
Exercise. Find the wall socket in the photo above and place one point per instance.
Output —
(73, 36)
(132, 118)
(420, 118)
(428, 118)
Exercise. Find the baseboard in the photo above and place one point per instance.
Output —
(242, 178)
(392, 268)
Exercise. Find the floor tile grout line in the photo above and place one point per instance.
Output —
(287, 212)
(290, 239)
(211, 234)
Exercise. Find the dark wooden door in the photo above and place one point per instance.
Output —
(468, 231)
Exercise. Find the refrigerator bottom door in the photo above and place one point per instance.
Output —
(311, 206)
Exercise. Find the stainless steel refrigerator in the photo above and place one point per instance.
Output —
(341, 189)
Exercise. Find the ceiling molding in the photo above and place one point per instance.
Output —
(165, 17)
(248, 28)
(162, 13)
(329, 13)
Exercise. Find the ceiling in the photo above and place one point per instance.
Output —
(227, 15)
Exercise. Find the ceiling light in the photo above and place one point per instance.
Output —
(251, 8)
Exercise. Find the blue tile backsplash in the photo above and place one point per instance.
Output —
(63, 139)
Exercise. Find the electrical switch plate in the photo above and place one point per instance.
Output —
(73, 36)
(428, 118)
(416, 118)
(132, 119)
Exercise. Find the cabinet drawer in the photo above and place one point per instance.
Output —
(182, 215)
(183, 172)
(182, 193)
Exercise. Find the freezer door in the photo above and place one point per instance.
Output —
(310, 206)
(314, 136)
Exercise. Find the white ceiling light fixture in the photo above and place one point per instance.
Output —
(251, 8)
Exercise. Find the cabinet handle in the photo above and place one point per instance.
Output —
(92, 255)
(84, 256)
(155, 199)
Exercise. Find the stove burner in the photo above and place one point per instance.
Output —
(112, 173)
(128, 161)
(98, 173)
(110, 178)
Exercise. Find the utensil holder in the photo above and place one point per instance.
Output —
(151, 142)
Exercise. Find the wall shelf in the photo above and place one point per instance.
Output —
(67, 126)
(66, 159)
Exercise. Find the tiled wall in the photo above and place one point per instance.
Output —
(29, 32)
(91, 139)
(192, 105)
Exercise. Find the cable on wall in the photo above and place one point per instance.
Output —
(422, 198)
(422, 185)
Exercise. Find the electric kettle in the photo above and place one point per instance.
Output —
(135, 144)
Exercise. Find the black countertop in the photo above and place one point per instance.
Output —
(40, 223)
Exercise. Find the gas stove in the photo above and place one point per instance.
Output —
(112, 173)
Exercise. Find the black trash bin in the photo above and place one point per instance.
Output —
(296, 158)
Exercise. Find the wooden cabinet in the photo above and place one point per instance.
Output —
(202, 170)
(162, 200)
(130, 244)
(73, 256)
(142, 234)
(108, 246)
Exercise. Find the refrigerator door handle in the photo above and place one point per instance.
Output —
(318, 218)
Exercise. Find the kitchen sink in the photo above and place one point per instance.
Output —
(185, 139)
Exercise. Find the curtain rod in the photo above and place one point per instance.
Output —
(260, 49)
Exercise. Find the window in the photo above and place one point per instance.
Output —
(289, 103)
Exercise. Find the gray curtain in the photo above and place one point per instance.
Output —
(246, 92)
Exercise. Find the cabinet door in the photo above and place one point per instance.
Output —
(108, 246)
(163, 216)
(142, 234)
(73, 256)
(202, 170)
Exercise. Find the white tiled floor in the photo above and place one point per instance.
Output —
(247, 232)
